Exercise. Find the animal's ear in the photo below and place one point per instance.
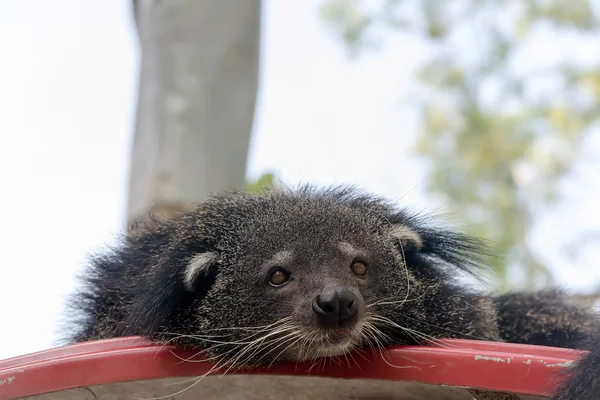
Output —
(171, 270)
(408, 239)
(171, 285)
(418, 236)
(200, 268)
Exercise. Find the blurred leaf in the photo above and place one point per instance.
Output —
(348, 21)
(264, 182)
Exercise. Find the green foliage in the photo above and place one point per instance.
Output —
(264, 182)
(497, 144)
(347, 20)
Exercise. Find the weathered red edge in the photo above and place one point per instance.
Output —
(504, 367)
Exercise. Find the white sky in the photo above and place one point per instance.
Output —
(68, 76)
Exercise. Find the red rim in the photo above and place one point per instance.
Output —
(491, 366)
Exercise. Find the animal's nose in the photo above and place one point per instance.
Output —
(335, 306)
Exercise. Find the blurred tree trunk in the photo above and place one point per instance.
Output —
(197, 90)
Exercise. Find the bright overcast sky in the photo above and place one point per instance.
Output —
(67, 90)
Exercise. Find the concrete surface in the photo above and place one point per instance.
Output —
(234, 387)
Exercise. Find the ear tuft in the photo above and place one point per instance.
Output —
(199, 266)
(421, 234)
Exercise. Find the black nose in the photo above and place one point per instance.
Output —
(335, 306)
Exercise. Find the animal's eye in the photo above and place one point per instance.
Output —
(358, 267)
(279, 277)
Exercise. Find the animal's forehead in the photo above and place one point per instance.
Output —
(312, 215)
(312, 227)
(310, 240)
(307, 226)
(321, 254)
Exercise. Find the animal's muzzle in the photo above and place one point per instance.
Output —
(335, 307)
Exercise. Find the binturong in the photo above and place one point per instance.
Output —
(302, 274)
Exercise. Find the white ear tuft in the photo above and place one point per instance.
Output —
(197, 266)
(407, 236)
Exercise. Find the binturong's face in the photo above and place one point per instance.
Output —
(297, 277)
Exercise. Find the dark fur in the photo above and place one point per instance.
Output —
(583, 380)
(553, 321)
(137, 288)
